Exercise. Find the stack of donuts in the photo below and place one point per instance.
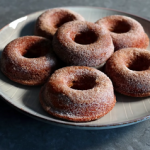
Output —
(66, 56)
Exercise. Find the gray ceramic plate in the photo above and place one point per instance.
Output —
(127, 110)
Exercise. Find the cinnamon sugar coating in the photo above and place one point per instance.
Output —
(28, 60)
(125, 32)
(82, 43)
(129, 70)
(49, 21)
(78, 93)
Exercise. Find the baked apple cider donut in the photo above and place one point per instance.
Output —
(82, 43)
(125, 32)
(129, 70)
(28, 60)
(78, 93)
(49, 21)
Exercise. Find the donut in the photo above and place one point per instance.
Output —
(82, 43)
(78, 93)
(49, 21)
(129, 70)
(125, 32)
(28, 60)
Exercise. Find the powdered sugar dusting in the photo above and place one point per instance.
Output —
(125, 80)
(45, 24)
(78, 105)
(28, 70)
(135, 37)
(72, 53)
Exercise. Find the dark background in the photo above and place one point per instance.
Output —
(20, 132)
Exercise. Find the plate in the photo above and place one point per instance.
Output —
(127, 110)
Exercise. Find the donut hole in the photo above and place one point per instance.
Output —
(139, 63)
(85, 37)
(35, 51)
(83, 83)
(32, 54)
(119, 26)
(60, 18)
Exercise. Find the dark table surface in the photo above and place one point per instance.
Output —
(20, 132)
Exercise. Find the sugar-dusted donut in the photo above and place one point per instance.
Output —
(129, 70)
(125, 32)
(78, 93)
(28, 60)
(49, 21)
(83, 43)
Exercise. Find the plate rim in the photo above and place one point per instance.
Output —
(69, 123)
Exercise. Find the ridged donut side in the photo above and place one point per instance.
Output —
(61, 101)
(126, 80)
(131, 32)
(76, 54)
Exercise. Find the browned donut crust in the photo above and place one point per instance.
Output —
(82, 43)
(125, 32)
(49, 21)
(78, 93)
(129, 70)
(28, 60)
